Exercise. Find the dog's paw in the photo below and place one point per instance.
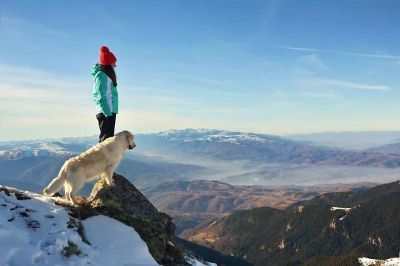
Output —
(80, 201)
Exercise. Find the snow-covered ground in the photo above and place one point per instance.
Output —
(35, 231)
(373, 262)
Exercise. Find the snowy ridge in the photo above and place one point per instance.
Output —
(35, 231)
(44, 148)
(44, 151)
(214, 135)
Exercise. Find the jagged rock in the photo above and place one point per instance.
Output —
(125, 203)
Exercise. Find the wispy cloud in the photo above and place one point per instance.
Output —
(26, 83)
(368, 55)
(352, 85)
(341, 84)
(37, 104)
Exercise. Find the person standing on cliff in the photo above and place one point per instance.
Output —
(105, 93)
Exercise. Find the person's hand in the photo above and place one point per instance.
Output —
(100, 116)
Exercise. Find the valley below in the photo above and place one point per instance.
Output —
(192, 203)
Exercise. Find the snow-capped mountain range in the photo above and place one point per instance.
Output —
(239, 158)
(214, 144)
(227, 145)
(44, 150)
(214, 135)
(70, 146)
(14, 150)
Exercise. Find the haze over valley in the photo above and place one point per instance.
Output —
(236, 158)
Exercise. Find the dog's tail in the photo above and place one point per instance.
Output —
(56, 184)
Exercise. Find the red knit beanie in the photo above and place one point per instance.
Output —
(106, 57)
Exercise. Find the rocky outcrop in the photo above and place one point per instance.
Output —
(125, 203)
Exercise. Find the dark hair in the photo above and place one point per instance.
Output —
(109, 71)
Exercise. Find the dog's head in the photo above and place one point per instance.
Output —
(130, 139)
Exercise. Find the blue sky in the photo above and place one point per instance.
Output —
(276, 67)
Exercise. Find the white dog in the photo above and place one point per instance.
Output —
(101, 159)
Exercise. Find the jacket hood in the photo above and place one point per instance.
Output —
(96, 69)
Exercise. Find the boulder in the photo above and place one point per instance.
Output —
(125, 203)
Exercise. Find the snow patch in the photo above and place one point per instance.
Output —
(114, 243)
(194, 262)
(372, 262)
(347, 211)
(340, 208)
(35, 232)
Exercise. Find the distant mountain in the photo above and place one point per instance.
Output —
(330, 229)
(349, 140)
(193, 202)
(226, 145)
(30, 173)
(36, 172)
(32, 164)
(393, 148)
(232, 157)
(44, 148)
(213, 144)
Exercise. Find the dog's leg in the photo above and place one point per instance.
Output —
(107, 175)
(68, 192)
(75, 185)
(70, 197)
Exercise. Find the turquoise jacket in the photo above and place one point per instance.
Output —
(105, 94)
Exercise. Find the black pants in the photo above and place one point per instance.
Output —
(106, 125)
